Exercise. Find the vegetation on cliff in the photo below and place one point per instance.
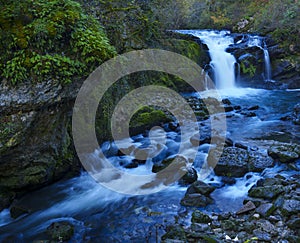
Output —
(49, 39)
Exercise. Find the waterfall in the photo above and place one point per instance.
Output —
(258, 42)
(222, 62)
(268, 73)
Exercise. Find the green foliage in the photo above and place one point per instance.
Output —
(247, 68)
(129, 24)
(148, 117)
(250, 240)
(49, 39)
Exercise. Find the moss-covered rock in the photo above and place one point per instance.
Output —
(200, 217)
(60, 231)
(284, 152)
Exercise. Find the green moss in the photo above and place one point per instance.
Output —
(148, 117)
(248, 69)
(49, 39)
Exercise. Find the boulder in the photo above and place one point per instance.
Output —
(236, 162)
(290, 207)
(265, 209)
(195, 200)
(200, 187)
(266, 192)
(197, 195)
(249, 206)
(284, 152)
(200, 217)
(189, 177)
(61, 231)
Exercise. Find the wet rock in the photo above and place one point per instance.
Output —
(228, 108)
(174, 232)
(173, 126)
(189, 177)
(267, 192)
(265, 209)
(253, 108)
(290, 207)
(226, 101)
(160, 166)
(228, 180)
(200, 187)
(284, 152)
(197, 195)
(200, 227)
(229, 225)
(200, 217)
(236, 162)
(196, 140)
(132, 164)
(249, 206)
(109, 149)
(5, 200)
(240, 145)
(296, 114)
(195, 200)
(18, 210)
(232, 163)
(266, 226)
(61, 231)
(258, 162)
(294, 224)
(262, 236)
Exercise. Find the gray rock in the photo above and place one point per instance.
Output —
(267, 192)
(249, 206)
(200, 187)
(190, 177)
(261, 235)
(232, 163)
(294, 224)
(266, 226)
(195, 200)
(229, 225)
(284, 152)
(290, 207)
(200, 217)
(200, 227)
(60, 231)
(265, 209)
(236, 162)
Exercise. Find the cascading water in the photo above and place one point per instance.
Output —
(268, 72)
(222, 62)
(258, 42)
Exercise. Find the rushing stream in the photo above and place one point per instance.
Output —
(101, 215)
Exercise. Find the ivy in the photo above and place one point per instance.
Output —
(49, 39)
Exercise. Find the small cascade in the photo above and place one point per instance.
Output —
(222, 62)
(258, 42)
(268, 72)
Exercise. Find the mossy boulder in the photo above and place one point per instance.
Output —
(200, 217)
(146, 118)
(61, 231)
(284, 152)
(266, 192)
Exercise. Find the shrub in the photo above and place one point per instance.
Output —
(49, 39)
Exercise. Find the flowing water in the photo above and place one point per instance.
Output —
(222, 62)
(101, 215)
